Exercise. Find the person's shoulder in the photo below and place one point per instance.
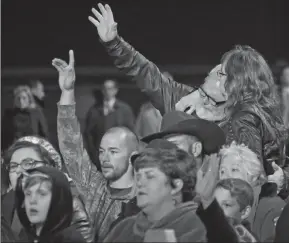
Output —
(70, 234)
(122, 104)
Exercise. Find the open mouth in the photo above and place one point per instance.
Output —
(33, 211)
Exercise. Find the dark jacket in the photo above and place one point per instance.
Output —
(97, 124)
(57, 226)
(183, 220)
(244, 126)
(80, 218)
(7, 235)
(282, 231)
(268, 211)
(18, 123)
(218, 227)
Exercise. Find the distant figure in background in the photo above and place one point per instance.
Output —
(105, 114)
(148, 121)
(37, 89)
(24, 119)
(149, 118)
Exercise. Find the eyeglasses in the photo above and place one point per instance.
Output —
(25, 164)
(212, 100)
(220, 74)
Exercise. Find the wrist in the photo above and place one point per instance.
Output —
(67, 97)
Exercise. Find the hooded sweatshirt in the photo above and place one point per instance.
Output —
(183, 220)
(57, 227)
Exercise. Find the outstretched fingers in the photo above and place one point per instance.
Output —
(97, 14)
(102, 10)
(109, 13)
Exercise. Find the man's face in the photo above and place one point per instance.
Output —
(229, 204)
(109, 89)
(114, 156)
(38, 91)
(181, 142)
(212, 96)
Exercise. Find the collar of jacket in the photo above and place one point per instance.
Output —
(128, 196)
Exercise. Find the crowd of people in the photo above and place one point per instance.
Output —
(199, 164)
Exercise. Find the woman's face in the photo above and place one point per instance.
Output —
(37, 202)
(22, 156)
(232, 167)
(23, 100)
(153, 188)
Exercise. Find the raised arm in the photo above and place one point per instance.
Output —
(163, 91)
(70, 139)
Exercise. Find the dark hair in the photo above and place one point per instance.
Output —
(175, 164)
(250, 83)
(33, 83)
(239, 189)
(44, 155)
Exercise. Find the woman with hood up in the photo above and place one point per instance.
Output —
(45, 207)
(28, 153)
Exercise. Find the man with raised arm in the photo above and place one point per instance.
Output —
(104, 192)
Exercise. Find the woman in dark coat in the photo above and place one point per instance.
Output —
(45, 207)
(24, 119)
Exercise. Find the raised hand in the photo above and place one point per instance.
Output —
(66, 72)
(188, 103)
(207, 178)
(104, 22)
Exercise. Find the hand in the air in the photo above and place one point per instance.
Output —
(104, 22)
(207, 178)
(188, 102)
(277, 177)
(66, 72)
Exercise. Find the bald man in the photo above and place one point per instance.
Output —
(104, 192)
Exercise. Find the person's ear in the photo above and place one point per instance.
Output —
(246, 212)
(196, 149)
(178, 186)
(133, 157)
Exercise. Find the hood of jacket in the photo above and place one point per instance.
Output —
(60, 211)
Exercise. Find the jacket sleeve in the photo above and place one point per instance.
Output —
(163, 92)
(82, 171)
(246, 130)
(218, 228)
(81, 220)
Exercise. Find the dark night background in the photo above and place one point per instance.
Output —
(187, 33)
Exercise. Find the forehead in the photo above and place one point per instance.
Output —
(222, 194)
(152, 169)
(216, 69)
(108, 84)
(24, 153)
(23, 94)
(175, 137)
(114, 139)
(230, 160)
(41, 185)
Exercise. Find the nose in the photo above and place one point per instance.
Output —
(19, 169)
(103, 157)
(33, 199)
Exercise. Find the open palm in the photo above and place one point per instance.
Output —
(104, 22)
(66, 72)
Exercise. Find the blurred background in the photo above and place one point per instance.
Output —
(185, 38)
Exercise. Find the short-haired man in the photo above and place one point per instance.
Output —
(105, 191)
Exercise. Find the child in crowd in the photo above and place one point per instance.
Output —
(45, 207)
(236, 197)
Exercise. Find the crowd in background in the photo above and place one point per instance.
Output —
(207, 163)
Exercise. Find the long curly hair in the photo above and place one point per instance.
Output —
(250, 84)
